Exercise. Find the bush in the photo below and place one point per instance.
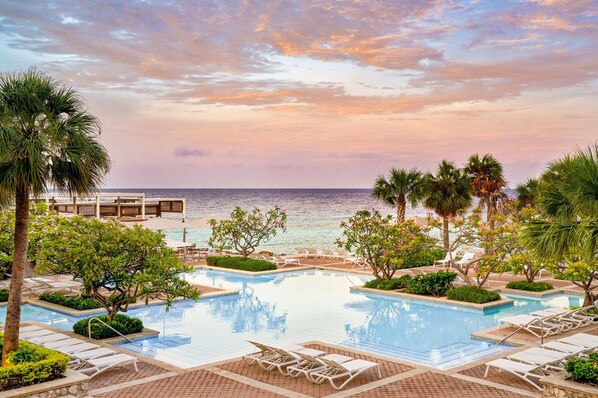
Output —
(584, 370)
(388, 284)
(78, 303)
(3, 295)
(530, 286)
(31, 364)
(424, 258)
(472, 294)
(431, 284)
(248, 264)
(124, 324)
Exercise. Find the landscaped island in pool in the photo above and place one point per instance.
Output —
(311, 305)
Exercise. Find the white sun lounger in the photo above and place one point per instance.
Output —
(75, 348)
(99, 365)
(541, 356)
(92, 354)
(263, 351)
(35, 333)
(310, 364)
(467, 257)
(285, 358)
(535, 325)
(29, 329)
(48, 338)
(525, 371)
(335, 371)
(63, 343)
(447, 259)
(564, 347)
(584, 340)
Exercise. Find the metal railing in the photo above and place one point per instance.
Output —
(523, 327)
(108, 326)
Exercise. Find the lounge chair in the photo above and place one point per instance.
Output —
(263, 351)
(35, 333)
(328, 253)
(93, 354)
(310, 364)
(75, 348)
(538, 326)
(450, 256)
(573, 318)
(93, 367)
(335, 371)
(284, 261)
(587, 341)
(313, 253)
(41, 340)
(523, 370)
(285, 358)
(417, 271)
(541, 356)
(564, 347)
(302, 252)
(467, 257)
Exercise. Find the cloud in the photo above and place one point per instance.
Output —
(190, 152)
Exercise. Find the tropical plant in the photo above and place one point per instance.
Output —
(527, 193)
(382, 245)
(523, 260)
(244, 231)
(487, 182)
(568, 234)
(118, 265)
(402, 187)
(447, 192)
(47, 137)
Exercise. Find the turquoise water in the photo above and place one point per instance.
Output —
(310, 305)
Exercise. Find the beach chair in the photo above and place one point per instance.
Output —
(281, 262)
(327, 253)
(573, 318)
(49, 338)
(301, 252)
(541, 356)
(72, 349)
(263, 351)
(286, 358)
(310, 364)
(94, 367)
(525, 371)
(564, 347)
(334, 372)
(313, 253)
(587, 341)
(450, 256)
(538, 326)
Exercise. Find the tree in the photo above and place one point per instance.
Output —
(523, 260)
(244, 231)
(384, 246)
(567, 233)
(47, 137)
(402, 186)
(447, 192)
(527, 193)
(487, 182)
(118, 265)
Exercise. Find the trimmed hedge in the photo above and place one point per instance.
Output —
(425, 258)
(124, 324)
(472, 294)
(530, 286)
(249, 264)
(388, 284)
(77, 303)
(431, 284)
(31, 364)
(584, 370)
(3, 295)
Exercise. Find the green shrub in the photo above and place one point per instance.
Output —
(424, 258)
(124, 324)
(31, 364)
(584, 370)
(78, 303)
(431, 284)
(530, 286)
(388, 284)
(249, 264)
(472, 294)
(3, 295)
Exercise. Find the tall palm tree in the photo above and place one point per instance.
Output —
(487, 182)
(402, 187)
(527, 193)
(447, 192)
(568, 200)
(47, 138)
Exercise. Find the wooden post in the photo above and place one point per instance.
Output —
(98, 206)
(75, 205)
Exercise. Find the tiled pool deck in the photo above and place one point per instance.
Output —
(235, 378)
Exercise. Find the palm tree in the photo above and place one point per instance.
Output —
(487, 182)
(47, 137)
(447, 192)
(401, 187)
(527, 193)
(568, 200)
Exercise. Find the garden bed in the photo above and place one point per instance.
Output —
(78, 303)
(238, 263)
(124, 324)
(560, 385)
(530, 286)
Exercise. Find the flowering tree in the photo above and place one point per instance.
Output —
(244, 231)
(383, 245)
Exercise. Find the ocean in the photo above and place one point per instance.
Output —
(314, 215)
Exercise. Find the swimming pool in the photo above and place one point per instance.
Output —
(311, 305)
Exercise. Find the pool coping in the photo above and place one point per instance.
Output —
(437, 300)
(534, 294)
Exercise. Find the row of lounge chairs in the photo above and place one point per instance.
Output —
(337, 254)
(88, 358)
(280, 261)
(537, 362)
(38, 285)
(450, 259)
(317, 366)
(550, 321)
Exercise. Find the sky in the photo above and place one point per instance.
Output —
(322, 93)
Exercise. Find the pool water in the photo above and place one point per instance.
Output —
(310, 305)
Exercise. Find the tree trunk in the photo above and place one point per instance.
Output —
(401, 204)
(445, 233)
(588, 299)
(13, 311)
